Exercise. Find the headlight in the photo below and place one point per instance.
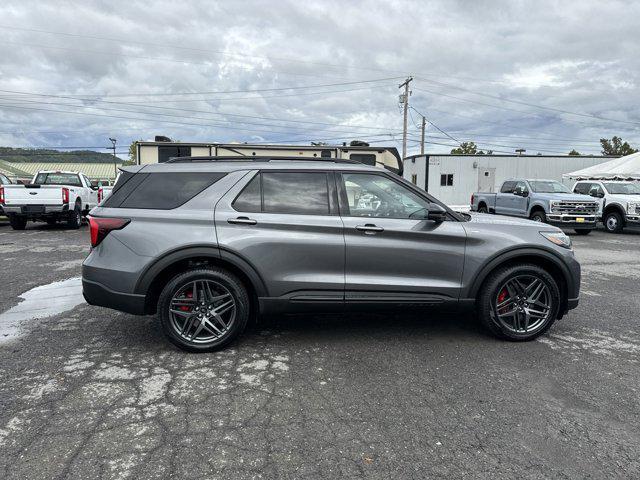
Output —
(631, 207)
(552, 205)
(559, 238)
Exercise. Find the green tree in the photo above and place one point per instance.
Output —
(574, 153)
(616, 146)
(133, 151)
(467, 148)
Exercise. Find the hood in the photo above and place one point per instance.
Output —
(489, 219)
(572, 197)
(625, 198)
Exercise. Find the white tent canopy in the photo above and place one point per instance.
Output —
(623, 168)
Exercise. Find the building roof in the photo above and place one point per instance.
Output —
(28, 169)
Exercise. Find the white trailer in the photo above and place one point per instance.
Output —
(453, 178)
(159, 152)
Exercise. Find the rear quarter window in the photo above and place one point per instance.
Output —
(160, 191)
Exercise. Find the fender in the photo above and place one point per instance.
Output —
(516, 252)
(537, 203)
(142, 286)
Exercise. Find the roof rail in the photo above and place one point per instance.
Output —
(261, 159)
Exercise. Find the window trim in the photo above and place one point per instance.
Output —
(143, 178)
(332, 195)
(344, 201)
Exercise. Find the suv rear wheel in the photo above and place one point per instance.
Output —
(519, 302)
(204, 309)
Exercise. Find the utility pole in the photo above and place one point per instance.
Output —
(115, 159)
(405, 101)
(424, 126)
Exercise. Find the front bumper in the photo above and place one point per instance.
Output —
(573, 221)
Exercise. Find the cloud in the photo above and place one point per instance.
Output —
(577, 57)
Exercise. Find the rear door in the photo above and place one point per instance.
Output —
(286, 225)
(504, 199)
(394, 255)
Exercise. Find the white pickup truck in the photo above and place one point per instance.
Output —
(51, 196)
(620, 202)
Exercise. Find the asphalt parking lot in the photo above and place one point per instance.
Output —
(92, 393)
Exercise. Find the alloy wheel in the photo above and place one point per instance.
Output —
(523, 304)
(202, 311)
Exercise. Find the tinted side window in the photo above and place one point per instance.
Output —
(250, 199)
(507, 187)
(582, 188)
(304, 193)
(163, 191)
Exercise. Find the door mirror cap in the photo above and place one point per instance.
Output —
(436, 213)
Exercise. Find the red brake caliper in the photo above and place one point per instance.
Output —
(185, 308)
(502, 295)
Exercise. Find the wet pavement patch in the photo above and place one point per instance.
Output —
(40, 302)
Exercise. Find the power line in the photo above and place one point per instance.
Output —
(215, 92)
(189, 110)
(436, 127)
(519, 102)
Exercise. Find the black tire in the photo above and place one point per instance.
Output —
(17, 223)
(489, 293)
(74, 220)
(582, 231)
(613, 222)
(482, 208)
(539, 216)
(228, 282)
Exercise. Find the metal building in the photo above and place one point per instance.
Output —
(453, 178)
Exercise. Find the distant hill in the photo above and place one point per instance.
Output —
(9, 154)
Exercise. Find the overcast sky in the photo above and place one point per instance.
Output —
(545, 76)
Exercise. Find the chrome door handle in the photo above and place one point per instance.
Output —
(369, 228)
(242, 221)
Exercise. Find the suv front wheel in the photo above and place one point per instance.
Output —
(204, 309)
(519, 302)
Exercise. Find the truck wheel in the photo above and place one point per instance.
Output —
(17, 223)
(483, 209)
(518, 302)
(613, 222)
(539, 216)
(75, 218)
(582, 231)
(203, 310)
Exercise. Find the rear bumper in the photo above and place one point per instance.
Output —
(36, 210)
(97, 294)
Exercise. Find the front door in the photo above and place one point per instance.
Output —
(394, 254)
(286, 225)
(520, 199)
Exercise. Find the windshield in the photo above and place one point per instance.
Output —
(546, 186)
(58, 179)
(623, 188)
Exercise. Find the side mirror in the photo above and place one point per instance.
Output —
(436, 213)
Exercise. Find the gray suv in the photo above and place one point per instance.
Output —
(208, 243)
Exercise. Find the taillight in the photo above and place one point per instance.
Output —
(100, 192)
(99, 227)
(65, 195)
(2, 195)
(472, 198)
